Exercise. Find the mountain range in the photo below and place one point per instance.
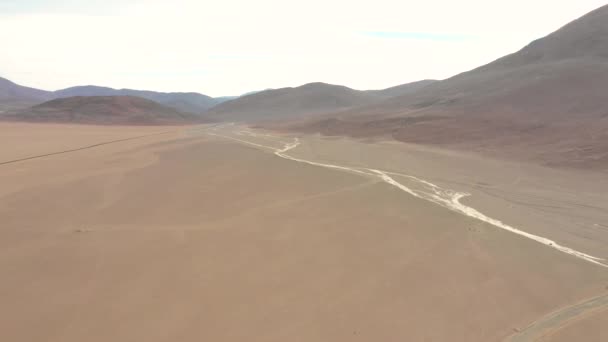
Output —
(546, 102)
(269, 104)
(104, 110)
(304, 101)
(16, 96)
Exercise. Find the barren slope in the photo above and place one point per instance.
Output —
(403, 89)
(546, 102)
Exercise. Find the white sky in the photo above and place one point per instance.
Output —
(229, 47)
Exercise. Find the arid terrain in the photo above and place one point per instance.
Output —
(223, 233)
(467, 209)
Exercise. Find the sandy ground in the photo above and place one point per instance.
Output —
(579, 329)
(185, 236)
(22, 140)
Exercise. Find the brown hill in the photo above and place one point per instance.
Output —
(287, 103)
(184, 102)
(107, 110)
(547, 102)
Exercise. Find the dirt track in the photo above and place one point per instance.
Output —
(557, 320)
(79, 148)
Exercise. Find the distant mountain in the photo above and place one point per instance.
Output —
(253, 92)
(106, 110)
(223, 99)
(547, 102)
(13, 95)
(403, 89)
(286, 103)
(185, 102)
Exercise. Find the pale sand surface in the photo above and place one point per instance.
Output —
(186, 236)
(23, 140)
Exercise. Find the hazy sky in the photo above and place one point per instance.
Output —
(228, 47)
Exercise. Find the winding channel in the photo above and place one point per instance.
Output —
(446, 198)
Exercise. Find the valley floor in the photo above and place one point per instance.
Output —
(206, 233)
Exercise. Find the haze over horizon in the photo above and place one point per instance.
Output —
(233, 47)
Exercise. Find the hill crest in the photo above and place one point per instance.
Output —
(107, 110)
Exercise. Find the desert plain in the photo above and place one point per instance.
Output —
(212, 233)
